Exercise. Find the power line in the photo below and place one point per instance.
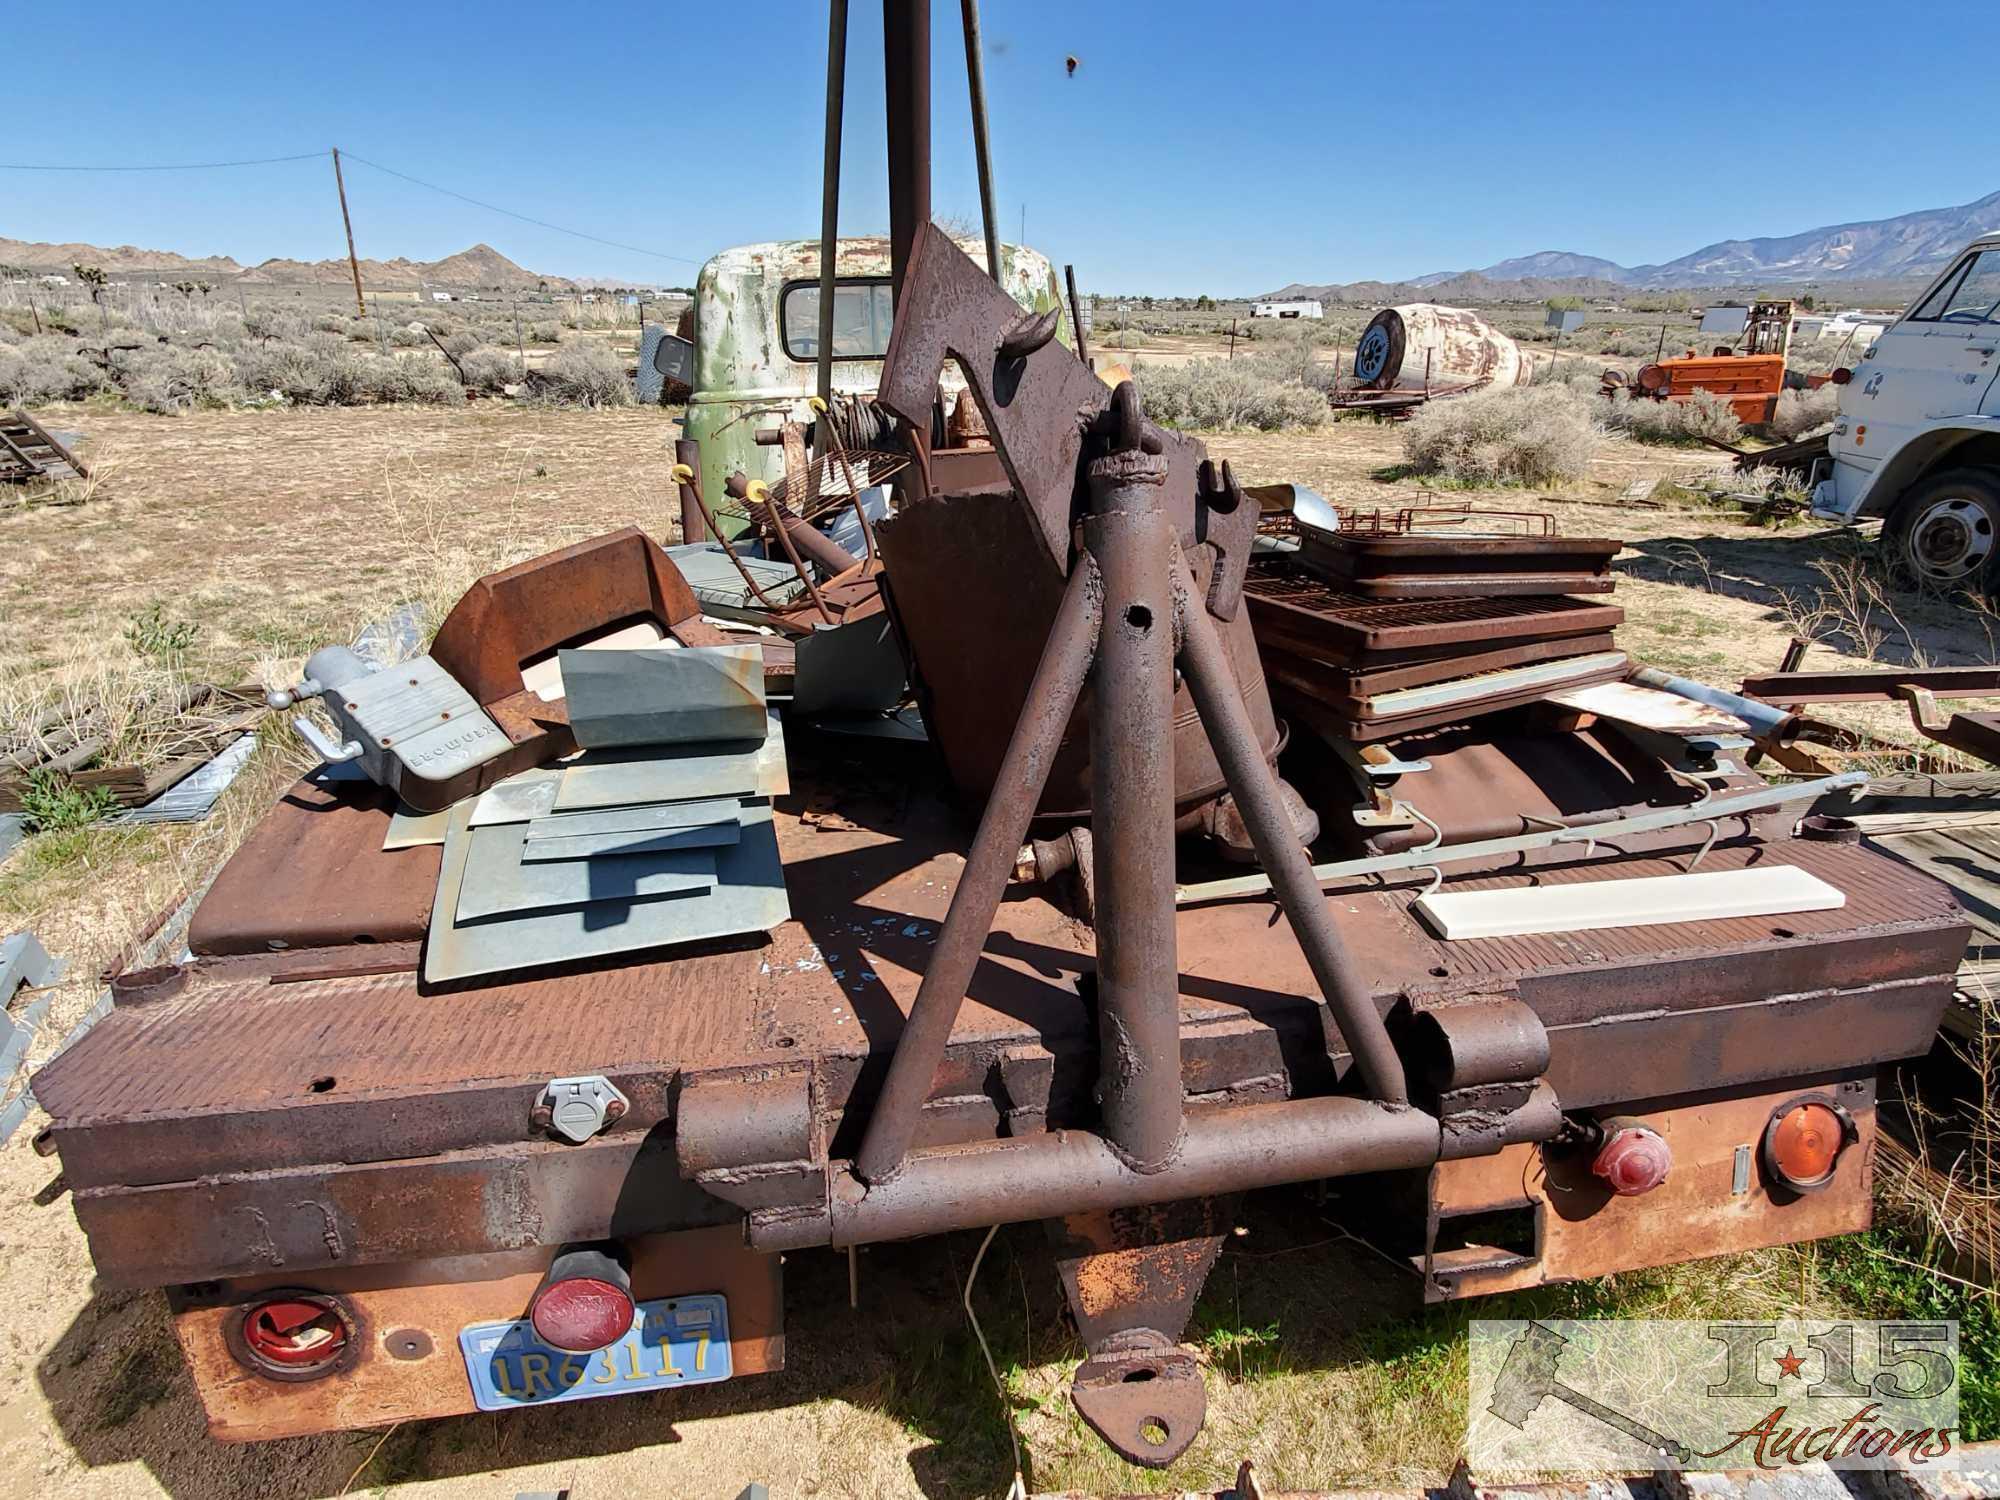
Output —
(524, 218)
(189, 166)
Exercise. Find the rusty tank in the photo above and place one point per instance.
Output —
(1424, 346)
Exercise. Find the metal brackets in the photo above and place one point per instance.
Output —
(1131, 1277)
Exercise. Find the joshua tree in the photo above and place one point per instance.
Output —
(94, 278)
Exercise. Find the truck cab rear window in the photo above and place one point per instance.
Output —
(861, 312)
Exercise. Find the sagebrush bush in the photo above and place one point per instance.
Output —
(1801, 412)
(1682, 423)
(177, 380)
(584, 372)
(37, 371)
(1222, 394)
(489, 371)
(409, 377)
(1517, 435)
(318, 370)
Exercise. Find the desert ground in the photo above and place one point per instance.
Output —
(277, 531)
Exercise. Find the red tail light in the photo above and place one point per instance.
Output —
(1634, 1158)
(584, 1303)
(1841, 376)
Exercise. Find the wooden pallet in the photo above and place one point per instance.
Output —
(29, 451)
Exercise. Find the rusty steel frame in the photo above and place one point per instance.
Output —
(1128, 594)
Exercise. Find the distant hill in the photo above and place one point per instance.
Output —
(479, 267)
(1907, 247)
(117, 259)
(1458, 288)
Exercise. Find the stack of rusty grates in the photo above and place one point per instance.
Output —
(29, 450)
(1404, 620)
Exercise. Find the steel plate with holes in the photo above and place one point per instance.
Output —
(674, 1341)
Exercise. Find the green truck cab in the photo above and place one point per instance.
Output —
(756, 340)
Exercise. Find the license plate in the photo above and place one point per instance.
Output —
(672, 1341)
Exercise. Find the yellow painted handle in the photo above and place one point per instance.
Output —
(683, 474)
(757, 490)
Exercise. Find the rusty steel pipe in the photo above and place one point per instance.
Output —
(693, 529)
(975, 78)
(1132, 810)
(1212, 685)
(1059, 679)
(829, 191)
(906, 89)
(814, 545)
(1071, 1171)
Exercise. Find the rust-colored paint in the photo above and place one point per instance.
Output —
(1583, 1229)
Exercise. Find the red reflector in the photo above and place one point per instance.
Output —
(581, 1313)
(294, 1333)
(1634, 1159)
(1841, 376)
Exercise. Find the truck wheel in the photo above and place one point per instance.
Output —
(1946, 531)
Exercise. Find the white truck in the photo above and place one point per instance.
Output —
(1917, 441)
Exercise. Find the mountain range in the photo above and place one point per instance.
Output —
(1907, 247)
(479, 267)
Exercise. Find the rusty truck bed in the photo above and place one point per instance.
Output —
(312, 1104)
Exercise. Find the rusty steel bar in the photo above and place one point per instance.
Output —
(1076, 315)
(688, 451)
(829, 195)
(1052, 697)
(906, 88)
(975, 77)
(1212, 685)
(1223, 1150)
(1132, 810)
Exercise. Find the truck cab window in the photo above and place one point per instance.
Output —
(1970, 295)
(861, 315)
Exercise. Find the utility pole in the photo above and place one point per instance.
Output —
(340, 186)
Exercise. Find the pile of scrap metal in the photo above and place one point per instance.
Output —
(203, 738)
(592, 760)
(1372, 624)
(1564, 995)
(1423, 352)
(29, 450)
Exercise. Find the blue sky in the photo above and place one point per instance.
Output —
(1199, 147)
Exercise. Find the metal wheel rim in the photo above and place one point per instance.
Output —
(1372, 353)
(1951, 539)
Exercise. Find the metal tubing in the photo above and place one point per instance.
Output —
(819, 549)
(1052, 698)
(1763, 719)
(906, 87)
(1076, 315)
(829, 195)
(693, 529)
(975, 77)
(1212, 685)
(1714, 810)
(1132, 811)
(1071, 1171)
